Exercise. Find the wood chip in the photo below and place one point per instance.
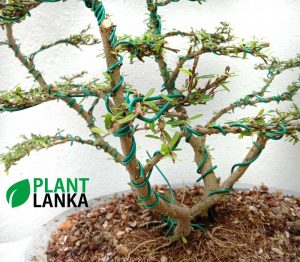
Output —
(109, 216)
(163, 259)
(122, 250)
(132, 223)
(277, 250)
(66, 225)
(120, 233)
(105, 224)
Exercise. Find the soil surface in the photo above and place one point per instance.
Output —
(252, 225)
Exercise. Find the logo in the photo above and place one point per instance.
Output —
(18, 193)
(68, 192)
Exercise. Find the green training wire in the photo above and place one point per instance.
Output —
(278, 98)
(246, 163)
(164, 108)
(222, 130)
(128, 130)
(210, 170)
(247, 128)
(274, 134)
(188, 131)
(165, 178)
(202, 162)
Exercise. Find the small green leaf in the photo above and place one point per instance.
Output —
(206, 98)
(126, 119)
(177, 149)
(107, 120)
(18, 193)
(164, 149)
(225, 87)
(183, 70)
(107, 76)
(167, 135)
(206, 76)
(140, 202)
(195, 117)
(173, 238)
(97, 130)
(174, 140)
(119, 115)
(97, 141)
(260, 122)
(176, 122)
(184, 240)
(152, 126)
(18, 90)
(152, 105)
(166, 98)
(247, 134)
(261, 112)
(149, 93)
(152, 136)
(245, 120)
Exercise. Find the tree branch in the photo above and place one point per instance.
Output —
(166, 2)
(15, 11)
(178, 213)
(255, 128)
(23, 59)
(77, 40)
(179, 65)
(44, 86)
(251, 101)
(37, 142)
(19, 99)
(210, 200)
(210, 182)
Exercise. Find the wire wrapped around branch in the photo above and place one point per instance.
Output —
(38, 142)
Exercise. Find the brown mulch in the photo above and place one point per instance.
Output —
(251, 225)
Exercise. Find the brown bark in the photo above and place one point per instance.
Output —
(179, 213)
(206, 202)
(210, 181)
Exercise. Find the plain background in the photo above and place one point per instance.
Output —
(276, 21)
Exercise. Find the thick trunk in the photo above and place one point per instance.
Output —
(201, 207)
(179, 213)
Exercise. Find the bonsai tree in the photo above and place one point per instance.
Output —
(163, 115)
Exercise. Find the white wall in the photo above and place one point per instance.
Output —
(276, 21)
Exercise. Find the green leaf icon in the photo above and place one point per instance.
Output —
(18, 193)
